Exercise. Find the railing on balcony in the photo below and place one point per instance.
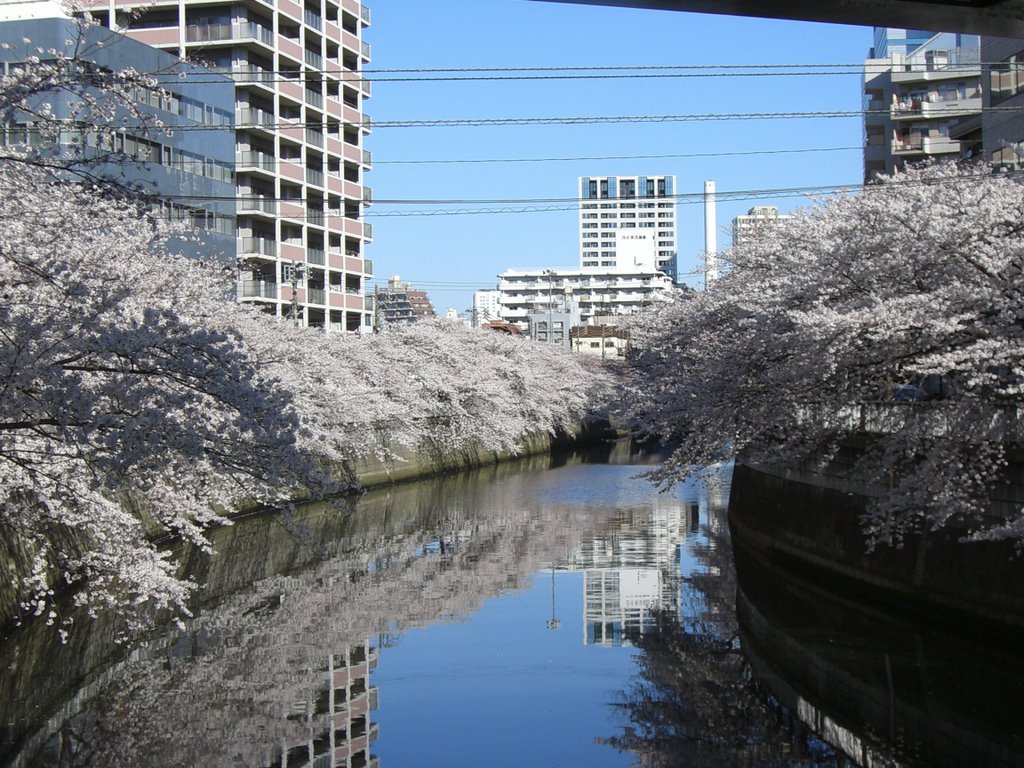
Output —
(316, 296)
(364, 14)
(202, 33)
(255, 159)
(367, 158)
(247, 73)
(315, 256)
(315, 216)
(257, 289)
(366, 87)
(367, 195)
(313, 19)
(250, 30)
(368, 231)
(257, 245)
(314, 137)
(253, 116)
(314, 59)
(249, 203)
(315, 99)
(368, 267)
(315, 176)
(364, 48)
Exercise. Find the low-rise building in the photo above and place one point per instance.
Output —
(524, 292)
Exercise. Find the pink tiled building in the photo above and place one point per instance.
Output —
(299, 128)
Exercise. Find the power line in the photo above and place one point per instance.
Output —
(474, 122)
(536, 205)
(615, 157)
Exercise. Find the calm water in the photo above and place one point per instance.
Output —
(555, 612)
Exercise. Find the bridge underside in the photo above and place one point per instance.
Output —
(1001, 18)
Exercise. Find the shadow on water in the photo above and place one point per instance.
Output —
(761, 666)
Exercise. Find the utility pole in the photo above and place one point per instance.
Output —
(298, 272)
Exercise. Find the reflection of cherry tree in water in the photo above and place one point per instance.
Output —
(696, 702)
(247, 678)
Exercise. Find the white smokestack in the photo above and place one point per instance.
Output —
(710, 235)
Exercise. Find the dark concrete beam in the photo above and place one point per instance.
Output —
(1002, 18)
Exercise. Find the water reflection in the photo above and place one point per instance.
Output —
(509, 601)
(275, 668)
(695, 701)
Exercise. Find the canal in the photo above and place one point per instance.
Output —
(557, 611)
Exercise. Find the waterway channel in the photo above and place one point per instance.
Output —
(557, 611)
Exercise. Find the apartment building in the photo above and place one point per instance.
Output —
(1003, 118)
(486, 306)
(616, 211)
(191, 173)
(299, 132)
(920, 97)
(533, 292)
(745, 226)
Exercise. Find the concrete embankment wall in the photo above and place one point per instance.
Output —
(428, 460)
(811, 526)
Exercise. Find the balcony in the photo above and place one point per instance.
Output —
(368, 231)
(316, 296)
(367, 195)
(315, 216)
(253, 117)
(367, 158)
(256, 204)
(364, 49)
(257, 289)
(247, 73)
(925, 145)
(368, 267)
(313, 59)
(936, 105)
(211, 33)
(255, 159)
(316, 138)
(313, 19)
(257, 246)
(315, 176)
(315, 99)
(364, 14)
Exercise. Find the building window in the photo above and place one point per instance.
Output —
(1007, 78)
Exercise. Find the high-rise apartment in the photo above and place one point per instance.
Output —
(919, 97)
(299, 131)
(626, 220)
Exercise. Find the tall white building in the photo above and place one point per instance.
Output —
(299, 130)
(627, 222)
(486, 306)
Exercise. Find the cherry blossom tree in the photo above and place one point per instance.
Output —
(139, 401)
(889, 320)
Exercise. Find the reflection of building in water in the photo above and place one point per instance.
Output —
(340, 715)
(632, 569)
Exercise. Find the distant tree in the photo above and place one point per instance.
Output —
(826, 330)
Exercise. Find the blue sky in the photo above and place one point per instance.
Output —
(451, 255)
